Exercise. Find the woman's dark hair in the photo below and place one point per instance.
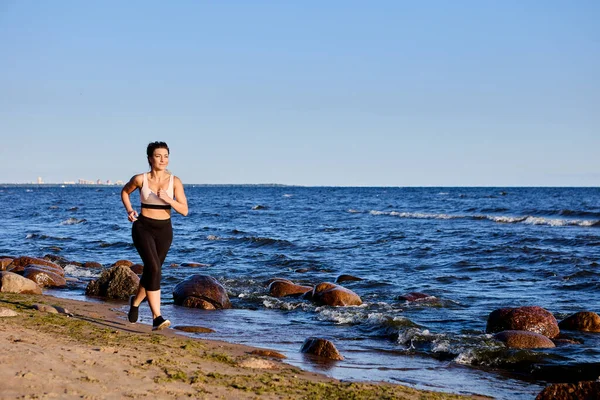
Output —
(153, 146)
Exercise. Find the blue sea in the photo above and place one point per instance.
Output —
(474, 249)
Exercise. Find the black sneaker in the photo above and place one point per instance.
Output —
(160, 323)
(133, 311)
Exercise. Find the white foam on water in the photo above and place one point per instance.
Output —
(280, 305)
(425, 215)
(338, 316)
(74, 270)
(72, 221)
(505, 219)
(374, 212)
(288, 195)
(406, 336)
(466, 357)
(353, 211)
(213, 237)
(558, 222)
(441, 345)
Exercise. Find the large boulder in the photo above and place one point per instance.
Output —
(201, 291)
(524, 340)
(345, 277)
(586, 390)
(19, 264)
(44, 276)
(92, 264)
(114, 283)
(5, 262)
(331, 294)
(14, 283)
(581, 321)
(322, 348)
(286, 288)
(531, 318)
(416, 296)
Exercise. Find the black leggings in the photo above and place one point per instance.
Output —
(152, 239)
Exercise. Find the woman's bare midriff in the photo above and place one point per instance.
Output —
(156, 214)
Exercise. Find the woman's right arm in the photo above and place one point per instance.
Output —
(134, 183)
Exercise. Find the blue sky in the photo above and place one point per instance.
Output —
(341, 93)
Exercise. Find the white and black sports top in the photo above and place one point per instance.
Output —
(151, 199)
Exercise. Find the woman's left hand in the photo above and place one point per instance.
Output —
(162, 194)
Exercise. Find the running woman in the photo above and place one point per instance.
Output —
(152, 233)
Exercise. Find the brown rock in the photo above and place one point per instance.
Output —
(322, 348)
(116, 283)
(282, 289)
(587, 390)
(44, 276)
(415, 296)
(268, 353)
(533, 319)
(334, 295)
(257, 363)
(92, 264)
(20, 263)
(196, 302)
(586, 321)
(45, 308)
(524, 340)
(5, 262)
(201, 291)
(137, 268)
(13, 283)
(344, 278)
(194, 264)
(7, 312)
(126, 263)
(193, 329)
(268, 282)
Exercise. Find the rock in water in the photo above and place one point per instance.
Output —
(118, 282)
(586, 390)
(524, 340)
(331, 294)
(322, 348)
(586, 321)
(282, 289)
(533, 319)
(201, 291)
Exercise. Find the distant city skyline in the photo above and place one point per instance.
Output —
(305, 93)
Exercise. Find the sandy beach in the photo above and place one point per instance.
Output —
(94, 353)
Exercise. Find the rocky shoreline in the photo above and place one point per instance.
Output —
(519, 328)
(87, 350)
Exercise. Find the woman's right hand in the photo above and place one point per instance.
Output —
(132, 216)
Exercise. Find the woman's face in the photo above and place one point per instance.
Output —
(159, 159)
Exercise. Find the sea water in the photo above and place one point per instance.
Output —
(472, 249)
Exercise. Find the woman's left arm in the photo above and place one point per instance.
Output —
(179, 203)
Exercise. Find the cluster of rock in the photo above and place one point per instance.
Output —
(29, 275)
(521, 327)
(536, 327)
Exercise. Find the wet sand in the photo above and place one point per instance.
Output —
(94, 353)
